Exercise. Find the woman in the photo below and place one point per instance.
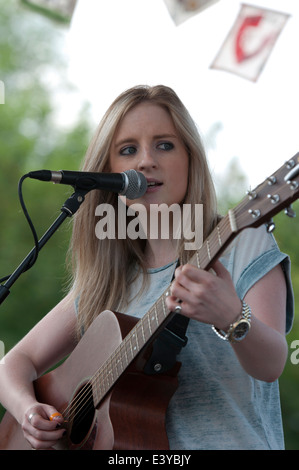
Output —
(228, 393)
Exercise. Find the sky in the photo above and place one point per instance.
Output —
(115, 44)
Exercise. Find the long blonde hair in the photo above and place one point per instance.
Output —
(103, 268)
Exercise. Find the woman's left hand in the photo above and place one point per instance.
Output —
(209, 297)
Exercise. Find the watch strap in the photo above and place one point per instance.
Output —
(245, 317)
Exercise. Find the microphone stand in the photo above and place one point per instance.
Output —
(68, 209)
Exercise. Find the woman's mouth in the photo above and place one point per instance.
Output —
(153, 185)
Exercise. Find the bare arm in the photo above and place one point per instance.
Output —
(264, 351)
(212, 299)
(48, 342)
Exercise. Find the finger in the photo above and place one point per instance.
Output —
(187, 281)
(47, 436)
(173, 304)
(41, 440)
(178, 303)
(220, 270)
(45, 418)
(182, 308)
(191, 277)
(57, 418)
(188, 273)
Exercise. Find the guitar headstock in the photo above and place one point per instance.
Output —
(277, 192)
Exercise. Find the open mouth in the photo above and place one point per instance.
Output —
(153, 183)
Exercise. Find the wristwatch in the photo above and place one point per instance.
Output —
(239, 329)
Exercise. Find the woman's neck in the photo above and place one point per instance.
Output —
(158, 253)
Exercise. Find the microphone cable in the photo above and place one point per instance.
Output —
(30, 223)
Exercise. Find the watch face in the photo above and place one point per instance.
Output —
(241, 330)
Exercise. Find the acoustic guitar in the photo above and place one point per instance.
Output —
(107, 401)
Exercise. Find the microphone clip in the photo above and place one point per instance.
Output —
(73, 203)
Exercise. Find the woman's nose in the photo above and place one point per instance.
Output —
(147, 160)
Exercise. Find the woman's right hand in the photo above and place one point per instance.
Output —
(42, 426)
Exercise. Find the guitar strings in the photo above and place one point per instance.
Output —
(75, 407)
(83, 396)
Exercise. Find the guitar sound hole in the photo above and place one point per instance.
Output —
(83, 409)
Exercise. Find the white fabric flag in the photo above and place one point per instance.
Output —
(181, 10)
(61, 9)
(251, 40)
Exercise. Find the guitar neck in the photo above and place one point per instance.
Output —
(158, 315)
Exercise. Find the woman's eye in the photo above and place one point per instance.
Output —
(166, 146)
(128, 151)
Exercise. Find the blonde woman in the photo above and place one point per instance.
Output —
(228, 393)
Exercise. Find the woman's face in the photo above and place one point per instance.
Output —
(147, 141)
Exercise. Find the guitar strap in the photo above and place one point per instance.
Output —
(167, 346)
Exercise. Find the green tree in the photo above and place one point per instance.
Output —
(31, 139)
(230, 186)
(287, 236)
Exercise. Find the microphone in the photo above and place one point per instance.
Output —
(130, 183)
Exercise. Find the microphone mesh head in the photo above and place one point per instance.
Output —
(137, 184)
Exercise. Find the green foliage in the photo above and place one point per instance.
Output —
(230, 186)
(287, 236)
(30, 140)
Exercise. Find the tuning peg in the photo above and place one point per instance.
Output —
(251, 194)
(255, 213)
(290, 212)
(270, 226)
(274, 198)
(293, 184)
(272, 180)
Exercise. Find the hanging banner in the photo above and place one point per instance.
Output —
(251, 40)
(58, 9)
(181, 10)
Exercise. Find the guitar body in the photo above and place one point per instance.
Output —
(60, 386)
(137, 401)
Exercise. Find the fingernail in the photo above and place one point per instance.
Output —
(55, 416)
